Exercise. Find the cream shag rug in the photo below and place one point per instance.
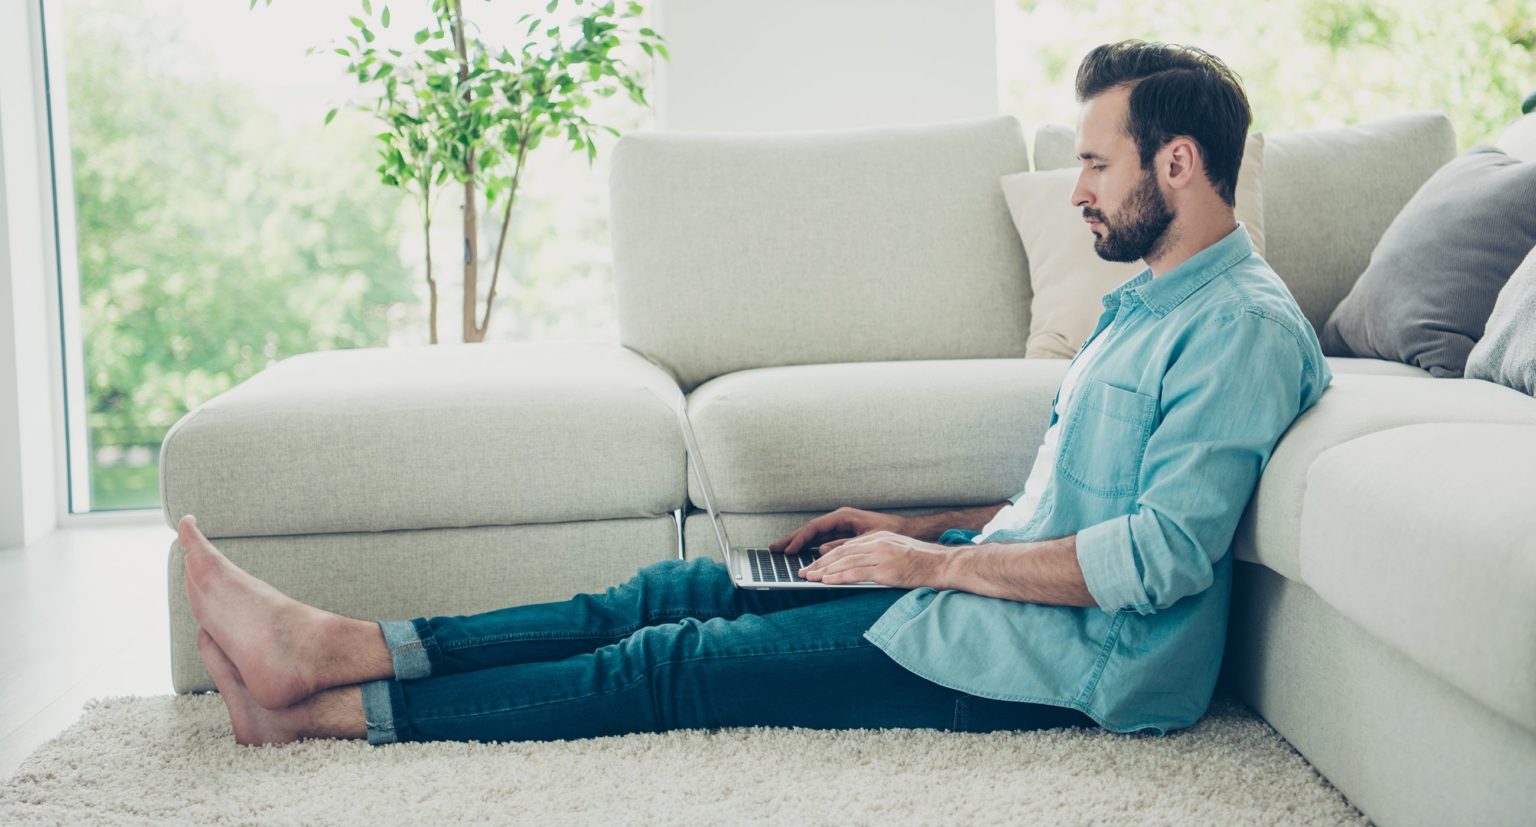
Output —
(172, 760)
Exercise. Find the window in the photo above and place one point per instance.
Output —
(1304, 63)
(217, 223)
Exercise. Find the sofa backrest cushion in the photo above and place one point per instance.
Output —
(1329, 194)
(735, 251)
(1053, 147)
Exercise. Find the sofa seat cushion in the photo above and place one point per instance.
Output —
(872, 434)
(1354, 405)
(430, 437)
(1424, 536)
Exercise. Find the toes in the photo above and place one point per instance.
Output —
(188, 537)
(191, 537)
(186, 531)
(200, 561)
(195, 572)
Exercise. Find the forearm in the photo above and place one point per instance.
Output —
(930, 526)
(1040, 572)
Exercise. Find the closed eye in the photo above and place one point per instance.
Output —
(1098, 166)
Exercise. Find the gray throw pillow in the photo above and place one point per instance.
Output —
(1425, 297)
(1507, 352)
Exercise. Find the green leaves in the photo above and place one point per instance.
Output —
(472, 111)
(188, 289)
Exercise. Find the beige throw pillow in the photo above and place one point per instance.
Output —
(1068, 277)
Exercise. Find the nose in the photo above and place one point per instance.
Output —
(1081, 197)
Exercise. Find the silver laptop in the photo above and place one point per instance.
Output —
(756, 568)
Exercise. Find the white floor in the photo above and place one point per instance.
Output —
(85, 615)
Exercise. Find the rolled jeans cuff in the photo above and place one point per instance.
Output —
(406, 649)
(379, 704)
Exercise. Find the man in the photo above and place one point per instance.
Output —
(1098, 596)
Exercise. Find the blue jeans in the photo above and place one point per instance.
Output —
(678, 646)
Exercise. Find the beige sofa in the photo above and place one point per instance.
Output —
(846, 314)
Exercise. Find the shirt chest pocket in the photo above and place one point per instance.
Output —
(1105, 438)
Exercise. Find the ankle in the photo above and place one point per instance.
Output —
(361, 653)
(332, 713)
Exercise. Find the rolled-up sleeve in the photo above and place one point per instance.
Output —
(1224, 404)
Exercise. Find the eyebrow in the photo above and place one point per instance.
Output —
(1091, 156)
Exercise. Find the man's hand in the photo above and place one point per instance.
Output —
(884, 557)
(844, 523)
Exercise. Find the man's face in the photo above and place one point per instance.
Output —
(1123, 203)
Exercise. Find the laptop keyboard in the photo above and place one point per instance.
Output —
(768, 567)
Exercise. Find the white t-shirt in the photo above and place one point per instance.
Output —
(1017, 514)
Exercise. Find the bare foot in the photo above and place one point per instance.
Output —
(283, 649)
(253, 724)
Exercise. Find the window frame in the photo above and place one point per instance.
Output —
(71, 438)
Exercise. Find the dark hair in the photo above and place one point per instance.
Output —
(1175, 90)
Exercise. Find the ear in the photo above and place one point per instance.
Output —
(1179, 161)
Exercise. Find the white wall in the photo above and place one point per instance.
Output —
(786, 65)
(27, 386)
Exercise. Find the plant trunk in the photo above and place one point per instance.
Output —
(501, 242)
(472, 331)
(431, 282)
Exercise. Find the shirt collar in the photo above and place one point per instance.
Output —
(1164, 293)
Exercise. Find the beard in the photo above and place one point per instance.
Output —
(1139, 228)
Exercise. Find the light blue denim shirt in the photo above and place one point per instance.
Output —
(1163, 442)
